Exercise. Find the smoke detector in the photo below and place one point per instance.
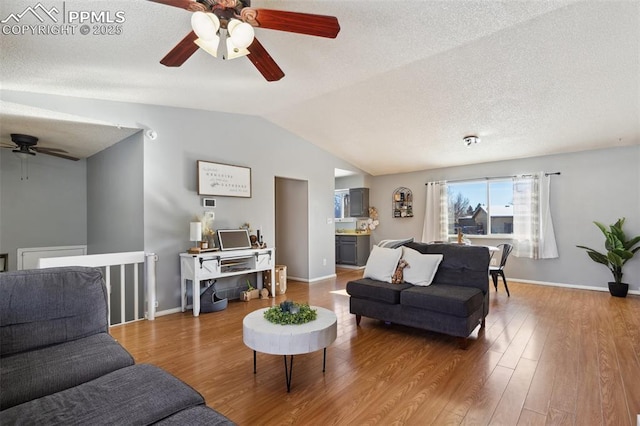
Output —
(471, 140)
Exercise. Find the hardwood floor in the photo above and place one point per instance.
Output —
(547, 356)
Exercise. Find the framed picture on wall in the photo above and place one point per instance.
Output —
(223, 180)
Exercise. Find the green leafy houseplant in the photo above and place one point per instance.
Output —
(289, 312)
(619, 249)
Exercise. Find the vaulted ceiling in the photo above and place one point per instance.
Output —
(396, 91)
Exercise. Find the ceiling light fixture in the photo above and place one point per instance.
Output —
(471, 140)
(209, 28)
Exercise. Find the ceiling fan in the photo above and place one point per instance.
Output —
(25, 146)
(236, 19)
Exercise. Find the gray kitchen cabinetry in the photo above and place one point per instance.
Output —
(359, 202)
(352, 249)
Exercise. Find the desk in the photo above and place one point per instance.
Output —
(267, 337)
(220, 264)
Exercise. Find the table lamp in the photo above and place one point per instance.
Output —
(195, 234)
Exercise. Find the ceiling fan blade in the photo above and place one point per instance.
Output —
(46, 150)
(190, 5)
(261, 59)
(293, 22)
(54, 152)
(181, 52)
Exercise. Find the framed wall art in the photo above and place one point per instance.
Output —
(223, 180)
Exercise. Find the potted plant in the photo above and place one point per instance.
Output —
(619, 251)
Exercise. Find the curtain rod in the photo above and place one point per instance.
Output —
(497, 177)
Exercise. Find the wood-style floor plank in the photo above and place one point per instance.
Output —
(547, 356)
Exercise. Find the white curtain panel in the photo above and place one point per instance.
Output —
(532, 226)
(436, 217)
(548, 247)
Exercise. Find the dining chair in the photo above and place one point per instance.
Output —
(496, 271)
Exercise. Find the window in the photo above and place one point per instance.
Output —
(481, 207)
(340, 203)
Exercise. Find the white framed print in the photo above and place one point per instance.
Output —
(223, 180)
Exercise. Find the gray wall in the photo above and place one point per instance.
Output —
(170, 198)
(292, 228)
(47, 209)
(115, 198)
(360, 180)
(600, 185)
(595, 185)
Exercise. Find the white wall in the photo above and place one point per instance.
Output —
(47, 209)
(600, 185)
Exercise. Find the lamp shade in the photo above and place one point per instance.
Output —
(240, 33)
(195, 231)
(205, 25)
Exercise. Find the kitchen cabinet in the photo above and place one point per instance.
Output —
(352, 249)
(359, 202)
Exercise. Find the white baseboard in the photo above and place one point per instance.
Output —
(168, 312)
(307, 280)
(579, 287)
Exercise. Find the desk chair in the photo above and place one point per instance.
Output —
(496, 271)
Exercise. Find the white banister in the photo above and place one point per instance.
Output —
(150, 278)
(117, 259)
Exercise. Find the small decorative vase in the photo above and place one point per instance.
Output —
(618, 289)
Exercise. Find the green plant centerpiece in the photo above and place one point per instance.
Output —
(289, 312)
(619, 250)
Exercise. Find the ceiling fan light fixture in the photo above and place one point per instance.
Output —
(205, 25)
(24, 154)
(209, 46)
(240, 33)
(233, 51)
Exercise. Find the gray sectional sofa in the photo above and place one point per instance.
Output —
(59, 365)
(455, 303)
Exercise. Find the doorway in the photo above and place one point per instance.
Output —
(292, 226)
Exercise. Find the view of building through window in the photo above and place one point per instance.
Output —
(481, 207)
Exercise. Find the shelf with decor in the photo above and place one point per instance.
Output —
(402, 202)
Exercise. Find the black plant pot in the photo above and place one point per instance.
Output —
(618, 290)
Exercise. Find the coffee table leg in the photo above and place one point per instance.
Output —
(254, 362)
(288, 371)
(324, 359)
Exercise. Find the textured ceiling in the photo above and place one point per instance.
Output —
(396, 91)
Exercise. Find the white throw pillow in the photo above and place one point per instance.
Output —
(422, 267)
(382, 263)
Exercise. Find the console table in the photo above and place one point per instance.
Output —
(220, 264)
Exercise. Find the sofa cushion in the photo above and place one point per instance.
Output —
(394, 243)
(71, 303)
(380, 291)
(421, 267)
(452, 300)
(30, 375)
(461, 265)
(137, 395)
(382, 263)
(196, 416)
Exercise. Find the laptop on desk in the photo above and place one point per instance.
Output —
(233, 239)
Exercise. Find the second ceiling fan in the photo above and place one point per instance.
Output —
(236, 19)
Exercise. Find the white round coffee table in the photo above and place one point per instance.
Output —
(264, 336)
